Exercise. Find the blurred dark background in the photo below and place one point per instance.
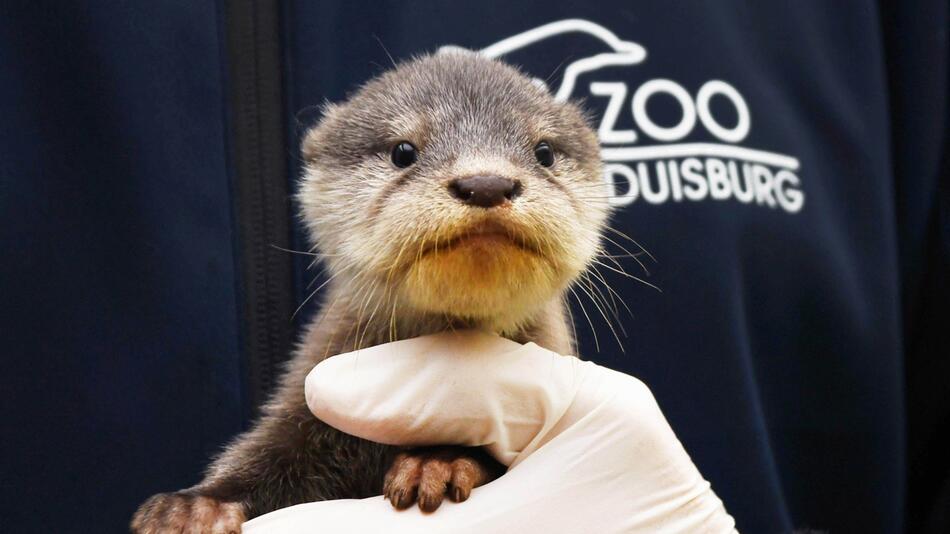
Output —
(147, 158)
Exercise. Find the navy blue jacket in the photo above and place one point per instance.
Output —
(785, 163)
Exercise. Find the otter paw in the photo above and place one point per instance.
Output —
(185, 513)
(427, 475)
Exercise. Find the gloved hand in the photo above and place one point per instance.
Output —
(588, 449)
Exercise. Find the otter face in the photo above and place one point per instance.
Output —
(454, 185)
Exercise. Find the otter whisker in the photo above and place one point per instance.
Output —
(355, 324)
(389, 295)
(359, 317)
(635, 258)
(325, 313)
(603, 280)
(602, 253)
(595, 191)
(566, 303)
(612, 306)
(545, 241)
(303, 253)
(615, 262)
(632, 240)
(628, 275)
(381, 45)
(612, 258)
(392, 323)
(395, 264)
(615, 256)
(369, 320)
(421, 247)
(314, 292)
(614, 297)
(603, 314)
(547, 80)
(364, 302)
(317, 277)
(591, 323)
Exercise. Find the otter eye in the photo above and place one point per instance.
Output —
(544, 153)
(404, 154)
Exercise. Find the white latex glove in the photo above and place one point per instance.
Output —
(588, 449)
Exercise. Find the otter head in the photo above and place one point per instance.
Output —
(454, 185)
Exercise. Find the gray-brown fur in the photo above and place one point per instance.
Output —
(377, 228)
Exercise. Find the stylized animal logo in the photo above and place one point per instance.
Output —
(691, 171)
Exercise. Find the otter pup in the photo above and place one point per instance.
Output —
(449, 192)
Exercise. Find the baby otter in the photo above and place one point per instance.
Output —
(449, 192)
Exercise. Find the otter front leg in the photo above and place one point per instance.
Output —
(188, 513)
(290, 457)
(428, 474)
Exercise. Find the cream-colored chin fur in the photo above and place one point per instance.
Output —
(492, 280)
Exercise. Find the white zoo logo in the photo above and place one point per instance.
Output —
(680, 170)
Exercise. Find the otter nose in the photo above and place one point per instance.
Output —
(485, 191)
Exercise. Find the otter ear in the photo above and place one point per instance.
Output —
(311, 139)
(309, 144)
(327, 109)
